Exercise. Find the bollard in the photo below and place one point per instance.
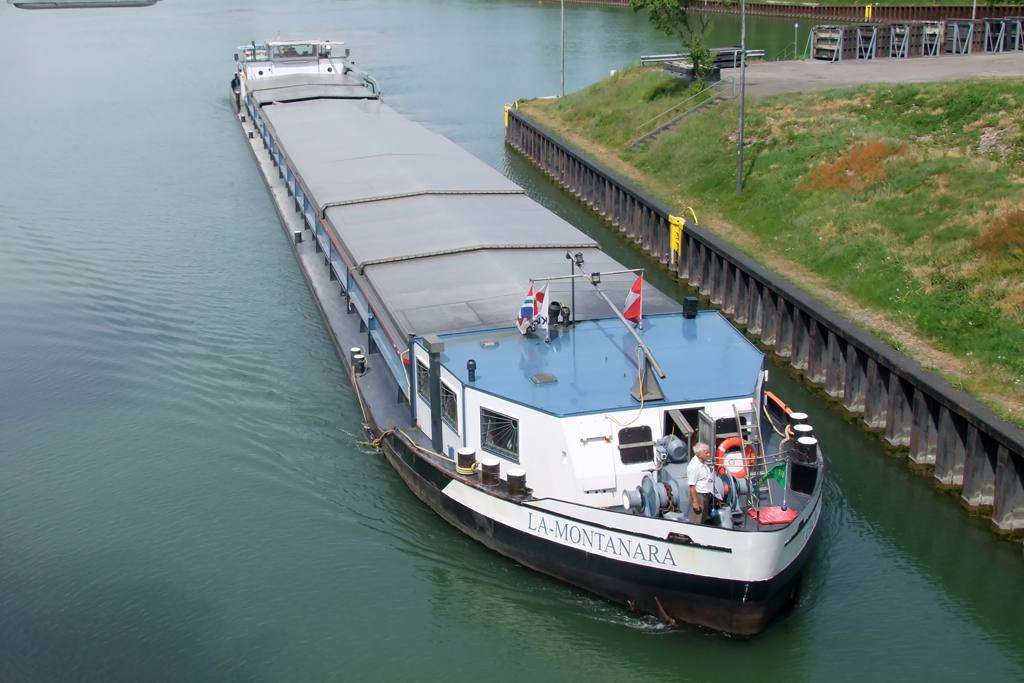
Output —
(517, 483)
(490, 472)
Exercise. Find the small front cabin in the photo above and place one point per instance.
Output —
(278, 58)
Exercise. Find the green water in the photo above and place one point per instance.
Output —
(183, 496)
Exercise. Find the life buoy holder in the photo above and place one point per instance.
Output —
(729, 457)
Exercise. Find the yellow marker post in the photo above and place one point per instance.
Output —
(676, 241)
(867, 11)
(506, 116)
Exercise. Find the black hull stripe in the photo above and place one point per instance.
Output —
(737, 607)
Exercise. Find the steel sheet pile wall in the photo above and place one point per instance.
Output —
(967, 446)
(851, 12)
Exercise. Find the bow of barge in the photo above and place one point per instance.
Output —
(565, 448)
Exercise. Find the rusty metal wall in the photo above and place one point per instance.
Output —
(965, 445)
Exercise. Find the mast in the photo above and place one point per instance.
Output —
(595, 279)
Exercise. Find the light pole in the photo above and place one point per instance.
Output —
(796, 41)
(563, 48)
(743, 86)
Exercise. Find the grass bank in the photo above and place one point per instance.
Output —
(902, 206)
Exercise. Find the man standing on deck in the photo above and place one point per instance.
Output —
(698, 475)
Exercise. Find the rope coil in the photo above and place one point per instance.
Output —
(467, 471)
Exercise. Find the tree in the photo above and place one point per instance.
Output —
(672, 17)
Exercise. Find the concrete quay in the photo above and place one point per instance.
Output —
(776, 78)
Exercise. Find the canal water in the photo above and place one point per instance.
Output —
(183, 493)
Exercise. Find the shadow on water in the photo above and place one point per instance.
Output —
(81, 622)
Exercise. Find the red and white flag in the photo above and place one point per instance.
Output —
(635, 301)
(533, 314)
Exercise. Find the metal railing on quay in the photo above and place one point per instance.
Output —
(690, 104)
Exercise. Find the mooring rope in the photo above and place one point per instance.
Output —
(464, 471)
(421, 449)
(379, 440)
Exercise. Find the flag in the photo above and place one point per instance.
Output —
(540, 307)
(635, 301)
(526, 312)
(778, 473)
(533, 314)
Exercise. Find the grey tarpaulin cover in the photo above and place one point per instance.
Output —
(444, 242)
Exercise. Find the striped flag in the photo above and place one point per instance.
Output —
(635, 301)
(533, 314)
(526, 312)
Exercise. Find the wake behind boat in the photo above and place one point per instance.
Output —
(499, 376)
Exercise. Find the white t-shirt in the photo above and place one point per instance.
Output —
(698, 475)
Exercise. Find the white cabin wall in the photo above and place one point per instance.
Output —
(307, 66)
(448, 436)
(452, 438)
(541, 444)
(550, 448)
(422, 407)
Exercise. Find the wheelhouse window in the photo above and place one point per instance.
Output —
(294, 51)
(449, 407)
(422, 381)
(499, 434)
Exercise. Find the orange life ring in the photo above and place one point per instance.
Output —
(735, 462)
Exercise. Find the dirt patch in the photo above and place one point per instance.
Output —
(860, 166)
(1005, 237)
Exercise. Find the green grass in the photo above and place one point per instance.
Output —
(908, 198)
(640, 95)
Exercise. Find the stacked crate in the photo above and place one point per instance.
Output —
(850, 42)
(964, 36)
(827, 43)
(1003, 34)
(1013, 39)
(932, 37)
(901, 39)
(867, 37)
(995, 35)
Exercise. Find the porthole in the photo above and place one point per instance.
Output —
(329, 69)
(261, 72)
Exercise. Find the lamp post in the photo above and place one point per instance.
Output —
(563, 48)
(743, 86)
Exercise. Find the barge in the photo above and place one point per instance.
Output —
(494, 369)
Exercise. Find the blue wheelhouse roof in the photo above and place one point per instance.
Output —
(705, 359)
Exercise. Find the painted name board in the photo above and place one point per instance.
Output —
(602, 542)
